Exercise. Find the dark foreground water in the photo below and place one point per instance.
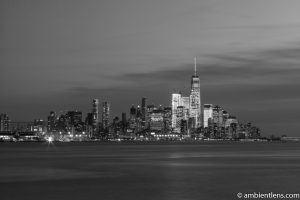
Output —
(208, 170)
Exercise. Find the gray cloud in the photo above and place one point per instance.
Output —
(258, 87)
(60, 54)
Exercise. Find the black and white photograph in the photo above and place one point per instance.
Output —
(149, 99)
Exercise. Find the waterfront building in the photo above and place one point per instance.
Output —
(74, 120)
(218, 116)
(4, 122)
(248, 131)
(188, 108)
(19, 126)
(225, 116)
(167, 118)
(89, 119)
(139, 112)
(74, 117)
(95, 112)
(149, 110)
(38, 126)
(124, 122)
(132, 119)
(231, 120)
(51, 123)
(195, 108)
(180, 116)
(105, 115)
(62, 123)
(157, 120)
(144, 111)
(176, 102)
(89, 124)
(231, 127)
(185, 103)
(207, 114)
(132, 112)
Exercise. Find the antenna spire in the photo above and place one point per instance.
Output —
(195, 59)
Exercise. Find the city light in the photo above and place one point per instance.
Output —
(50, 140)
(185, 117)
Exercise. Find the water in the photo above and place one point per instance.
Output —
(209, 170)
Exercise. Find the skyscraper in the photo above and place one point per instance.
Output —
(225, 116)
(149, 110)
(74, 118)
(207, 114)
(195, 112)
(38, 125)
(144, 110)
(139, 112)
(176, 101)
(105, 114)
(132, 112)
(167, 118)
(61, 123)
(95, 112)
(124, 121)
(51, 126)
(156, 120)
(89, 119)
(218, 116)
(179, 118)
(185, 102)
(89, 124)
(4, 122)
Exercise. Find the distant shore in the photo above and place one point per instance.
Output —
(153, 142)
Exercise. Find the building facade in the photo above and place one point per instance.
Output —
(95, 113)
(105, 114)
(195, 111)
(207, 114)
(4, 122)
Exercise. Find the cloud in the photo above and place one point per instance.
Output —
(260, 87)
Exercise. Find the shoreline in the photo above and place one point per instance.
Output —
(150, 142)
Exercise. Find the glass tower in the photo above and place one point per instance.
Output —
(195, 113)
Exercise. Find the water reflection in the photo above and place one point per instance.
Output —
(123, 171)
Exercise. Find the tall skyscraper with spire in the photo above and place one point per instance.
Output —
(195, 110)
(187, 109)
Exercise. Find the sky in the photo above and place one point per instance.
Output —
(60, 54)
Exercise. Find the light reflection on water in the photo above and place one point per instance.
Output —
(127, 171)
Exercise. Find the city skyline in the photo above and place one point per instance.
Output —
(61, 55)
(186, 118)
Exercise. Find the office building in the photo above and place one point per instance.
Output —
(144, 111)
(4, 122)
(218, 116)
(74, 118)
(195, 111)
(157, 120)
(176, 101)
(207, 114)
(132, 112)
(105, 115)
(95, 112)
(139, 112)
(167, 118)
(51, 123)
